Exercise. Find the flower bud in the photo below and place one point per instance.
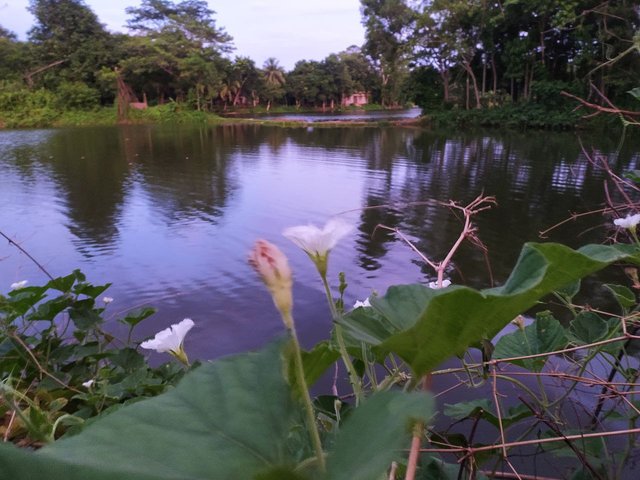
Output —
(272, 266)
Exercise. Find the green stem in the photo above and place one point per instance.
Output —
(353, 375)
(306, 399)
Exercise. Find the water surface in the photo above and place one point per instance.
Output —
(168, 214)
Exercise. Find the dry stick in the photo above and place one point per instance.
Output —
(469, 459)
(573, 217)
(40, 368)
(600, 108)
(480, 203)
(9, 426)
(494, 390)
(554, 427)
(15, 244)
(520, 476)
(574, 378)
(524, 443)
(605, 387)
(392, 471)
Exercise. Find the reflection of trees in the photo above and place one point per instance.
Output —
(89, 167)
(21, 151)
(185, 171)
(538, 179)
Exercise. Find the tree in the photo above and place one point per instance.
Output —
(189, 20)
(244, 74)
(274, 79)
(68, 33)
(388, 27)
(176, 49)
(14, 56)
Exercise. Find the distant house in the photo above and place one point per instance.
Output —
(356, 98)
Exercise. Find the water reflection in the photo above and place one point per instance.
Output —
(168, 213)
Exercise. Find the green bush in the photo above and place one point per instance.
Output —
(76, 96)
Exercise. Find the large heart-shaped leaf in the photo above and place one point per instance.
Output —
(228, 419)
(375, 434)
(435, 325)
(235, 418)
(544, 335)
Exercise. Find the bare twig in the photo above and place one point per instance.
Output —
(17, 245)
(40, 368)
(537, 441)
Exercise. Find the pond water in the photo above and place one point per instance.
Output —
(168, 214)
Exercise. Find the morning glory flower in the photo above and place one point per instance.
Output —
(19, 285)
(318, 243)
(273, 268)
(445, 284)
(88, 383)
(170, 340)
(107, 300)
(359, 304)
(630, 221)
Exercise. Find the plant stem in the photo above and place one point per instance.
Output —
(353, 375)
(306, 399)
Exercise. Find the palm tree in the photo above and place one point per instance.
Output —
(274, 79)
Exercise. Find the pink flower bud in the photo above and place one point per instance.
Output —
(272, 266)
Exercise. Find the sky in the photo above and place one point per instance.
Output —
(289, 30)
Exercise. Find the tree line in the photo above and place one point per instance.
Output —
(173, 51)
(467, 54)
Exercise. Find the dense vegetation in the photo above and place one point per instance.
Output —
(442, 55)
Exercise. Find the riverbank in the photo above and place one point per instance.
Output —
(525, 116)
(173, 113)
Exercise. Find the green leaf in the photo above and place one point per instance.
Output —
(625, 297)
(64, 284)
(473, 409)
(84, 315)
(92, 291)
(544, 335)
(135, 317)
(317, 360)
(48, 310)
(425, 327)
(570, 290)
(382, 423)
(435, 469)
(227, 419)
(587, 327)
(483, 408)
(633, 175)
(635, 93)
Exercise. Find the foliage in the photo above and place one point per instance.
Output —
(69, 32)
(52, 343)
(388, 25)
(528, 115)
(44, 370)
(518, 46)
(509, 60)
(213, 425)
(76, 96)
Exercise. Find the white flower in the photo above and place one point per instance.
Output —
(318, 243)
(359, 304)
(107, 300)
(445, 284)
(88, 383)
(170, 340)
(19, 285)
(630, 221)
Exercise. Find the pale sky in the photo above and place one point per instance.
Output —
(289, 30)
